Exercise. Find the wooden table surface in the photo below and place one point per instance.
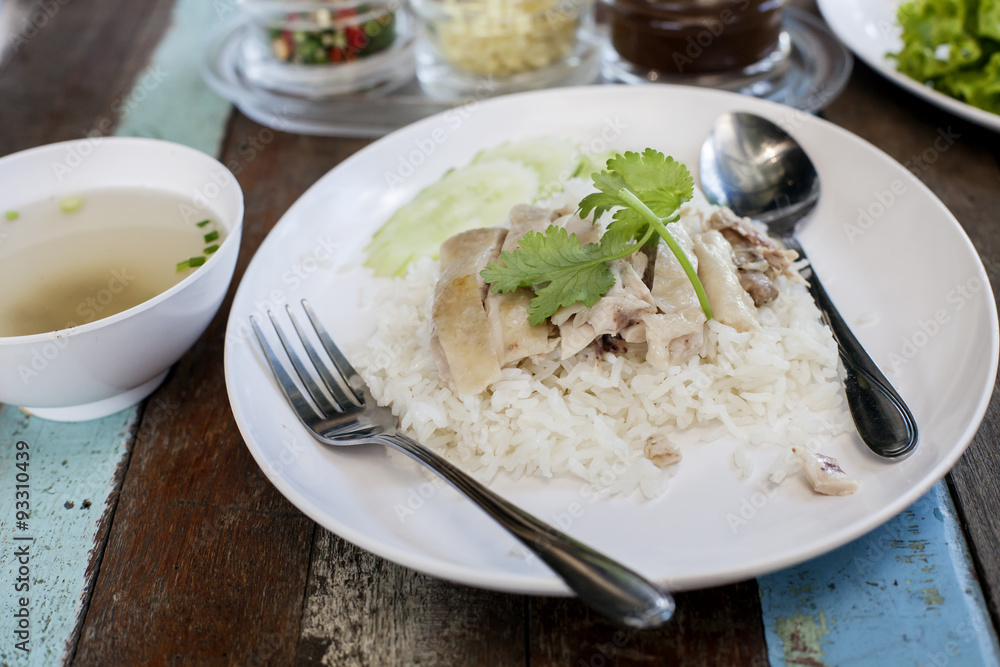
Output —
(162, 542)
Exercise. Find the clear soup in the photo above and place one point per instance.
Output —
(70, 261)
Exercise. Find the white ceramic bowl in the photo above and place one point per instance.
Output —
(98, 368)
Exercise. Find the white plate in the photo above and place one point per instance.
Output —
(910, 265)
(869, 28)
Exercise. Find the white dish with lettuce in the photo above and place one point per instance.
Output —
(871, 29)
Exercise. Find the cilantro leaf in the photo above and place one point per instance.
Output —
(662, 184)
(599, 202)
(561, 271)
(648, 189)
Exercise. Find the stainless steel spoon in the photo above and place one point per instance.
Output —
(755, 168)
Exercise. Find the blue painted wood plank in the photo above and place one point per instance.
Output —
(72, 467)
(66, 482)
(905, 594)
(169, 100)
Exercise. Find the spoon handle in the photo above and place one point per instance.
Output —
(884, 422)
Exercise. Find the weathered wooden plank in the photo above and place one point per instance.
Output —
(206, 561)
(976, 487)
(715, 626)
(170, 100)
(360, 609)
(70, 68)
(363, 610)
(903, 594)
(195, 524)
(76, 469)
(15, 19)
(960, 162)
(69, 481)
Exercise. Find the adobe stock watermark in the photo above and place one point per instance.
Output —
(882, 200)
(589, 493)
(965, 633)
(78, 151)
(425, 147)
(597, 145)
(564, 11)
(607, 653)
(291, 449)
(752, 504)
(253, 145)
(417, 497)
(224, 8)
(928, 329)
(199, 203)
(921, 162)
(90, 309)
(714, 28)
(299, 271)
(888, 538)
(39, 17)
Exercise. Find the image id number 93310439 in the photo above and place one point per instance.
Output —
(22, 541)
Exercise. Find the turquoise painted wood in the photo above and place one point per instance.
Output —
(170, 100)
(71, 469)
(905, 594)
(66, 483)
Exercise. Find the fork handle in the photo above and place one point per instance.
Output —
(604, 584)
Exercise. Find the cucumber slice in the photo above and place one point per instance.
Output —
(593, 162)
(555, 160)
(479, 195)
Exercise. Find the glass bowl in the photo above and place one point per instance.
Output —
(697, 41)
(316, 48)
(481, 47)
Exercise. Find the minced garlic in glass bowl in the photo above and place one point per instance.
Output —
(504, 37)
(521, 43)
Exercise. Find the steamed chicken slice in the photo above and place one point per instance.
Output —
(730, 303)
(661, 451)
(759, 259)
(461, 343)
(824, 473)
(779, 259)
(513, 338)
(676, 333)
(586, 231)
(619, 312)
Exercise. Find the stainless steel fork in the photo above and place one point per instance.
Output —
(340, 410)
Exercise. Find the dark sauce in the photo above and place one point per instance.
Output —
(694, 36)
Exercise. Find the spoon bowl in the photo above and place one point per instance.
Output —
(756, 169)
(759, 171)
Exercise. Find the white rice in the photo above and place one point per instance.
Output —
(591, 418)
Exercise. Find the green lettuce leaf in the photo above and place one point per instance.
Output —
(951, 45)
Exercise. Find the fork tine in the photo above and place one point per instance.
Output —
(314, 390)
(299, 403)
(334, 384)
(347, 372)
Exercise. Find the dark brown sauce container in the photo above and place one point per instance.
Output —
(694, 36)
